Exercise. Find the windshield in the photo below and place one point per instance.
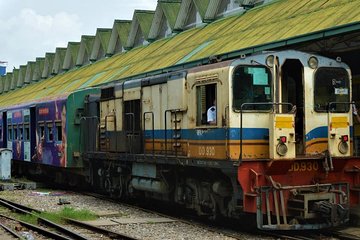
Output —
(252, 84)
(331, 86)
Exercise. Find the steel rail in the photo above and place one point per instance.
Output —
(109, 233)
(15, 234)
(38, 229)
(25, 210)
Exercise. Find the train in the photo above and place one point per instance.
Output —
(278, 146)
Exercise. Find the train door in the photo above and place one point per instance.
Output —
(9, 131)
(132, 125)
(3, 130)
(32, 133)
(292, 91)
(25, 135)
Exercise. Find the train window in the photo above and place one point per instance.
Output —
(10, 133)
(21, 132)
(50, 132)
(58, 135)
(331, 86)
(26, 132)
(206, 104)
(252, 85)
(1, 133)
(15, 132)
(42, 131)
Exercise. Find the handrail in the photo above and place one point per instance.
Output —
(293, 108)
(166, 111)
(335, 103)
(153, 132)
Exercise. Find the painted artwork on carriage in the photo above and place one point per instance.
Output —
(2, 129)
(18, 133)
(50, 133)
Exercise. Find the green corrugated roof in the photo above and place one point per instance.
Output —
(202, 6)
(123, 29)
(22, 73)
(277, 24)
(171, 10)
(104, 35)
(31, 68)
(145, 20)
(39, 67)
(73, 47)
(7, 83)
(2, 82)
(15, 78)
(88, 42)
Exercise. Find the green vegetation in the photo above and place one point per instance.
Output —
(26, 218)
(58, 217)
(68, 212)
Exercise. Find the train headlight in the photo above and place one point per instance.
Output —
(270, 61)
(281, 149)
(313, 62)
(343, 147)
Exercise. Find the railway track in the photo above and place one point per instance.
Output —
(290, 235)
(7, 233)
(11, 228)
(73, 230)
(209, 226)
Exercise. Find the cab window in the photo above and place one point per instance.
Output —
(331, 86)
(206, 105)
(252, 85)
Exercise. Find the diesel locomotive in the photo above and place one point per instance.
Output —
(280, 147)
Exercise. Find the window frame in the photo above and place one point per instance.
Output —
(58, 131)
(326, 110)
(270, 84)
(199, 114)
(26, 133)
(49, 131)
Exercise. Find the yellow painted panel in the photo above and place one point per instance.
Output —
(339, 122)
(284, 122)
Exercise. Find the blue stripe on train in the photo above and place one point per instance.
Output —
(234, 134)
(212, 134)
(321, 132)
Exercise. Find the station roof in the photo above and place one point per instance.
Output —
(277, 24)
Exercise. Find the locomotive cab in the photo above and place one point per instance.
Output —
(303, 127)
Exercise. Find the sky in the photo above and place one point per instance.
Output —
(30, 28)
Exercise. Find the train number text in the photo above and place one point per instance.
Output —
(304, 166)
(207, 151)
